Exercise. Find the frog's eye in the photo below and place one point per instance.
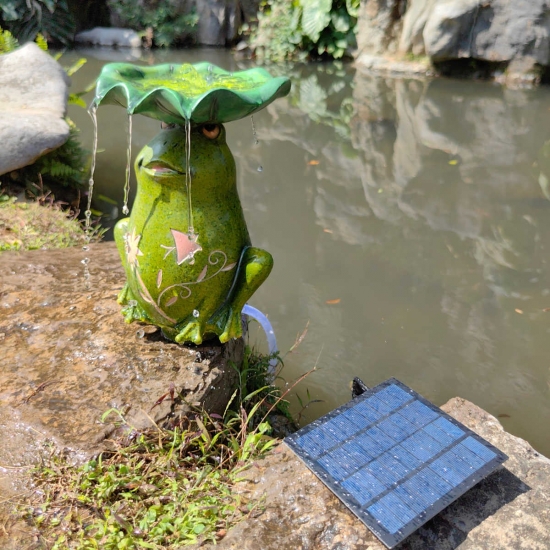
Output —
(166, 126)
(211, 131)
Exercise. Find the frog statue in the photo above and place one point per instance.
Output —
(191, 285)
(185, 247)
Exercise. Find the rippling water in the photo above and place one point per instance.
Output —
(410, 225)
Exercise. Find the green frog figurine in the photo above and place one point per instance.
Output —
(189, 277)
(189, 263)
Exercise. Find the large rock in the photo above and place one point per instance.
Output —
(509, 32)
(501, 30)
(379, 26)
(508, 509)
(219, 22)
(33, 99)
(68, 357)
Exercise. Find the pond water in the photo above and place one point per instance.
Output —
(410, 225)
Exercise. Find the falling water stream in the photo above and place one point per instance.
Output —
(256, 140)
(190, 228)
(125, 209)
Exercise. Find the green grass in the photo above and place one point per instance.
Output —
(162, 488)
(37, 225)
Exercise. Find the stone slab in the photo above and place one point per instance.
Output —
(67, 357)
(509, 509)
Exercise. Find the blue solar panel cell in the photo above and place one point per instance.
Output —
(385, 517)
(397, 428)
(480, 450)
(407, 459)
(357, 454)
(394, 458)
(396, 470)
(310, 445)
(399, 508)
(418, 414)
(448, 427)
(383, 440)
(368, 413)
(335, 469)
(379, 405)
(338, 430)
(445, 467)
(468, 457)
(369, 446)
(394, 396)
(421, 445)
(363, 486)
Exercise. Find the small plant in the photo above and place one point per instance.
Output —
(305, 28)
(25, 19)
(163, 18)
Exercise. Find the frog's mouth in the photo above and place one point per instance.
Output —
(160, 168)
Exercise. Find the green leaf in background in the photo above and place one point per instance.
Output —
(315, 17)
(353, 7)
(341, 21)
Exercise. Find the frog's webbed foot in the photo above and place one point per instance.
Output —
(255, 266)
(131, 310)
(191, 331)
(227, 323)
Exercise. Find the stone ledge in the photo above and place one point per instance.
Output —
(509, 509)
(68, 357)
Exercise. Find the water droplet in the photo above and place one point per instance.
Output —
(254, 134)
(85, 248)
(132, 303)
(260, 168)
(85, 261)
(140, 333)
(125, 210)
(196, 313)
(88, 214)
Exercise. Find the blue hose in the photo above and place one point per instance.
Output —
(257, 315)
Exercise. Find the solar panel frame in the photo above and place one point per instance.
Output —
(345, 450)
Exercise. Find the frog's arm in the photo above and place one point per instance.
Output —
(254, 267)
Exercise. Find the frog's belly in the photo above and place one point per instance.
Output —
(172, 294)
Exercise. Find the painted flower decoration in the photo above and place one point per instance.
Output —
(199, 93)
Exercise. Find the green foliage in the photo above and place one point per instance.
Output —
(305, 29)
(163, 18)
(162, 488)
(25, 19)
(65, 167)
(8, 42)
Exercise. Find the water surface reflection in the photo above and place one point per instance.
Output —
(420, 207)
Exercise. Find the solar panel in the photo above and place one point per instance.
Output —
(394, 459)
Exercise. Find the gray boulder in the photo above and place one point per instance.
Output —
(498, 31)
(379, 26)
(33, 99)
(109, 36)
(219, 22)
